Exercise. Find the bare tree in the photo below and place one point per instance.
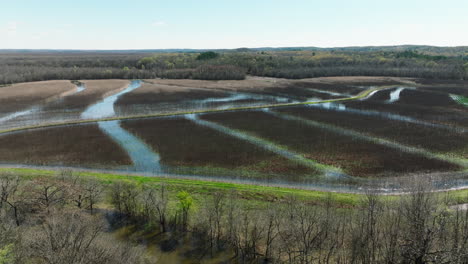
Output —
(124, 198)
(424, 221)
(271, 222)
(160, 202)
(46, 193)
(459, 237)
(366, 237)
(92, 194)
(70, 237)
(11, 196)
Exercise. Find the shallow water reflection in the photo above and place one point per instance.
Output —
(143, 157)
(105, 108)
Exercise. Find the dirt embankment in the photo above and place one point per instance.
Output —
(24, 95)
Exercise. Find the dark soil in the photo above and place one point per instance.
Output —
(431, 138)
(181, 142)
(84, 146)
(356, 157)
(167, 97)
(441, 115)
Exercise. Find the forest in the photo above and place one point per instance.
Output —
(292, 63)
(66, 218)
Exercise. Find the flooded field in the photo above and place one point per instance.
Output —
(328, 133)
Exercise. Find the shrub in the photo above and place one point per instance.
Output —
(177, 74)
(219, 72)
(207, 55)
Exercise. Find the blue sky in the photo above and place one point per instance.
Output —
(154, 24)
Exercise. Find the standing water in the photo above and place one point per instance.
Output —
(105, 108)
(395, 95)
(79, 88)
(143, 158)
(270, 146)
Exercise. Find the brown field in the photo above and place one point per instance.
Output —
(459, 87)
(21, 96)
(429, 99)
(350, 85)
(441, 140)
(95, 90)
(181, 142)
(420, 97)
(154, 97)
(441, 115)
(300, 90)
(83, 146)
(458, 90)
(356, 157)
(363, 80)
(249, 84)
(261, 83)
(150, 93)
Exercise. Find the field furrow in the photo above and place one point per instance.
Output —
(354, 156)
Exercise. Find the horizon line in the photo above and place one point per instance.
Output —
(253, 48)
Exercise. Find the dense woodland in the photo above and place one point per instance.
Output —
(294, 63)
(68, 219)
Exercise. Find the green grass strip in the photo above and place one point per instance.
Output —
(463, 100)
(245, 191)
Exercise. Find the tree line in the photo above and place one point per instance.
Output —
(236, 64)
(69, 219)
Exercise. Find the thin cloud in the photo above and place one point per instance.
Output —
(10, 28)
(158, 23)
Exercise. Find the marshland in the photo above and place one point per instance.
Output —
(234, 156)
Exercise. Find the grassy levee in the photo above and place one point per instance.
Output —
(204, 188)
(78, 122)
(251, 193)
(463, 100)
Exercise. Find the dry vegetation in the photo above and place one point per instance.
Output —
(154, 92)
(61, 220)
(79, 146)
(181, 144)
(95, 90)
(25, 95)
(441, 140)
(437, 115)
(354, 156)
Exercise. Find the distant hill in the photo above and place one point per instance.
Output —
(431, 50)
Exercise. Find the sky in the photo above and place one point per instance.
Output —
(213, 24)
